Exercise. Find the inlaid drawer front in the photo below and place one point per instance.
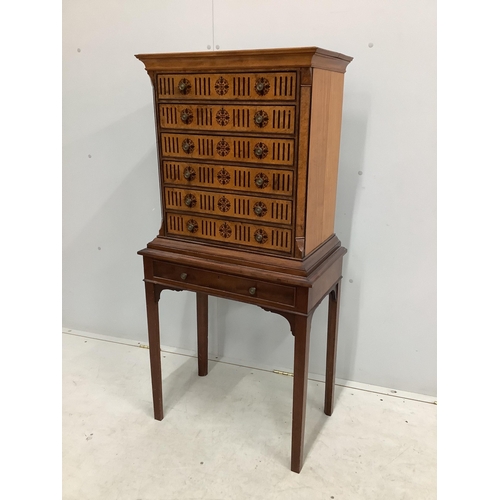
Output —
(269, 119)
(257, 86)
(243, 149)
(226, 231)
(186, 276)
(229, 205)
(254, 179)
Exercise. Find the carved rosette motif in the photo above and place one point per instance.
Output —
(260, 236)
(223, 176)
(187, 146)
(192, 226)
(186, 116)
(262, 86)
(222, 117)
(189, 173)
(225, 230)
(261, 180)
(260, 150)
(260, 209)
(190, 200)
(261, 118)
(221, 86)
(223, 148)
(184, 86)
(224, 204)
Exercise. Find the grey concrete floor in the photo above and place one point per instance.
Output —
(227, 435)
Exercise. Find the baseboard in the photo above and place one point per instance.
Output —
(259, 366)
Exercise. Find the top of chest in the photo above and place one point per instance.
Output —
(261, 75)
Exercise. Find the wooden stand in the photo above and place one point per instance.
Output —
(293, 292)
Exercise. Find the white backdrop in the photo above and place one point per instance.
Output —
(386, 203)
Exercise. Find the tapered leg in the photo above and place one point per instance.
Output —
(331, 347)
(302, 327)
(202, 320)
(152, 298)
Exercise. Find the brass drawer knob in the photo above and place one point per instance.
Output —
(260, 209)
(262, 86)
(260, 236)
(190, 200)
(184, 276)
(187, 116)
(260, 150)
(252, 290)
(189, 173)
(187, 145)
(192, 226)
(261, 180)
(261, 118)
(184, 86)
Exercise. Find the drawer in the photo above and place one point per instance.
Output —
(223, 284)
(229, 232)
(269, 86)
(224, 178)
(242, 149)
(257, 208)
(257, 118)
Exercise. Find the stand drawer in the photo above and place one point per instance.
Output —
(224, 284)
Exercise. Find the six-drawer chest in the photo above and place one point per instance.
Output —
(248, 149)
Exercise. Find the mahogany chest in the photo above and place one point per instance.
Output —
(248, 147)
(248, 151)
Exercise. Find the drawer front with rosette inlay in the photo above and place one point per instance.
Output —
(263, 150)
(230, 86)
(229, 205)
(248, 234)
(254, 118)
(255, 179)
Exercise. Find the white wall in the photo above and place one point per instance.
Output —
(386, 206)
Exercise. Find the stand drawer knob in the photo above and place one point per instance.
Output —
(184, 276)
(252, 290)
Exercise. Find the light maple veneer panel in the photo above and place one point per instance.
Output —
(326, 119)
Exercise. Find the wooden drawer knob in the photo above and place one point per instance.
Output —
(252, 290)
(184, 276)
